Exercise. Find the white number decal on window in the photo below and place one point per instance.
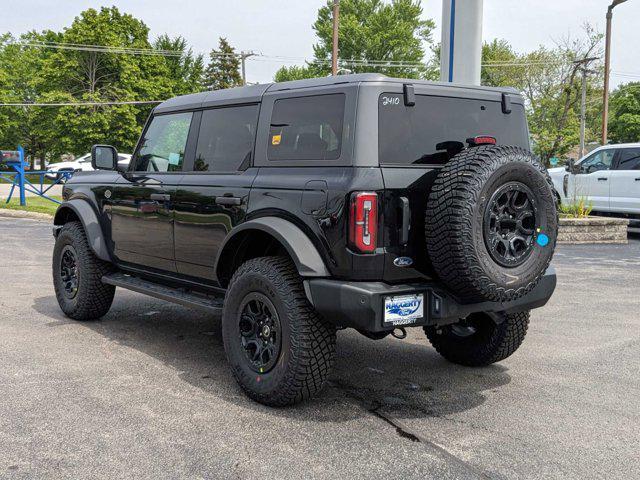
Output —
(390, 101)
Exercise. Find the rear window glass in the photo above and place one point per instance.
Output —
(225, 141)
(437, 128)
(629, 159)
(307, 128)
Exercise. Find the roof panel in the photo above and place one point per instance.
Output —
(249, 94)
(254, 93)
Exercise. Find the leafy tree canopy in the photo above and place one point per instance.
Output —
(47, 75)
(624, 121)
(370, 32)
(223, 70)
(550, 80)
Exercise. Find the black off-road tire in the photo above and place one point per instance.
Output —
(490, 343)
(455, 223)
(93, 298)
(307, 350)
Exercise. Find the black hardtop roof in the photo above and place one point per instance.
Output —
(254, 93)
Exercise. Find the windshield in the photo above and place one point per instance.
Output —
(437, 128)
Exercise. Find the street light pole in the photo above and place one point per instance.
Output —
(334, 53)
(607, 52)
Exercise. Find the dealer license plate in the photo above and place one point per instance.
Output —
(403, 309)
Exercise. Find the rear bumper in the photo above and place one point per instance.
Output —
(360, 305)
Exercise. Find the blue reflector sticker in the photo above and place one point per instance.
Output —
(542, 239)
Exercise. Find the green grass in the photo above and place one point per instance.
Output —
(34, 204)
(35, 179)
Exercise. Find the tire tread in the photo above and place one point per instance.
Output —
(94, 297)
(313, 340)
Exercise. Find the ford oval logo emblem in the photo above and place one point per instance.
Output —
(403, 262)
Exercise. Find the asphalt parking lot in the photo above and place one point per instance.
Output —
(145, 392)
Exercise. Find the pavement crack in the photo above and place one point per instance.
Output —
(399, 429)
(404, 432)
(376, 409)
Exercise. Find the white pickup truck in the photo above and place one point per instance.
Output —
(608, 177)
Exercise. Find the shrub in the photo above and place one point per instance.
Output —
(578, 208)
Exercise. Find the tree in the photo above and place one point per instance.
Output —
(224, 68)
(27, 126)
(110, 73)
(624, 122)
(106, 77)
(374, 36)
(496, 71)
(185, 69)
(550, 80)
(296, 72)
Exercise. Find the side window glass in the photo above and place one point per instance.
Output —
(225, 141)
(164, 142)
(307, 128)
(598, 161)
(629, 159)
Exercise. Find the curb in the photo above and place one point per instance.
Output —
(43, 217)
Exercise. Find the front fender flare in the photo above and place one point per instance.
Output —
(302, 251)
(87, 215)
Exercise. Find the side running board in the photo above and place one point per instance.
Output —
(210, 304)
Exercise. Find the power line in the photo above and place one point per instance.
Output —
(284, 59)
(80, 104)
(114, 50)
(625, 75)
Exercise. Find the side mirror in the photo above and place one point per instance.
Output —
(104, 157)
(571, 166)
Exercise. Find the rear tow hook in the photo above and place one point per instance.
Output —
(399, 332)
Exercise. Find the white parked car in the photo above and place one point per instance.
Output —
(608, 177)
(81, 164)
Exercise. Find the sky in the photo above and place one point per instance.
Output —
(279, 28)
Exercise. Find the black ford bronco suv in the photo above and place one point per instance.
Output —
(296, 209)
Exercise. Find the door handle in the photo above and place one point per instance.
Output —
(160, 197)
(638, 179)
(602, 179)
(226, 200)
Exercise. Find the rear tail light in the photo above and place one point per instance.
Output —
(363, 221)
(481, 140)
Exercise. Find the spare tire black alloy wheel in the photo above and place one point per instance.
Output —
(491, 223)
(510, 224)
(260, 332)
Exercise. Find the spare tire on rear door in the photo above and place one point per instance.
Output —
(491, 223)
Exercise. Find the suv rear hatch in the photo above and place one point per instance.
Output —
(414, 141)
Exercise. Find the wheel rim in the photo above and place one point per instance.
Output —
(463, 329)
(260, 332)
(510, 224)
(472, 328)
(69, 271)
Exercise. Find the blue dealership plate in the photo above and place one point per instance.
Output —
(403, 309)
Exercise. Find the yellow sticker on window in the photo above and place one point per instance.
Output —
(275, 140)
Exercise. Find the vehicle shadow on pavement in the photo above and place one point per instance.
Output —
(404, 377)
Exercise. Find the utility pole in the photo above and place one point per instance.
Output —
(583, 103)
(607, 53)
(334, 53)
(243, 57)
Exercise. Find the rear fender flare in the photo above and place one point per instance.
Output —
(87, 215)
(302, 251)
